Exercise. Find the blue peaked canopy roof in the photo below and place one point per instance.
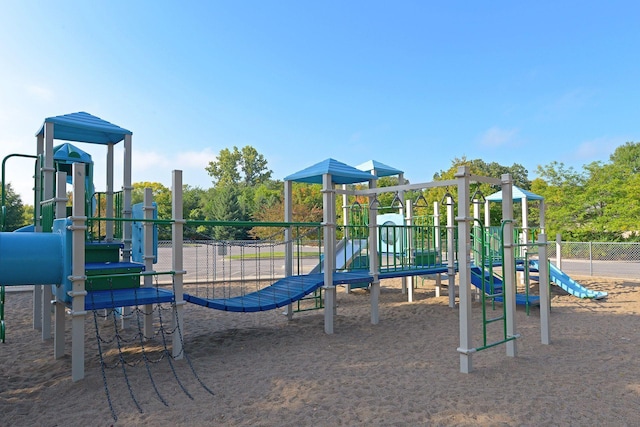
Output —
(341, 173)
(380, 168)
(518, 195)
(67, 153)
(83, 127)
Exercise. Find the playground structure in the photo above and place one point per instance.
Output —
(101, 256)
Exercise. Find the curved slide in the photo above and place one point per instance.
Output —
(562, 280)
(283, 292)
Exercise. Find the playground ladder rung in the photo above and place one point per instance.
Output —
(498, 295)
(493, 344)
(495, 319)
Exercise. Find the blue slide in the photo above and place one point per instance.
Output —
(561, 279)
(346, 251)
(476, 280)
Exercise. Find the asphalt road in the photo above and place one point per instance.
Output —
(205, 263)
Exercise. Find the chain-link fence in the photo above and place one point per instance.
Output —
(600, 259)
(203, 260)
(208, 261)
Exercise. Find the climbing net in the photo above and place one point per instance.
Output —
(128, 347)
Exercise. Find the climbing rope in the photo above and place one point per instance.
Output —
(184, 353)
(141, 341)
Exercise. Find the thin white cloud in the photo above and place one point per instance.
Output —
(195, 159)
(497, 137)
(150, 160)
(599, 148)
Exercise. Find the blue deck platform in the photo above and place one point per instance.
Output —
(96, 300)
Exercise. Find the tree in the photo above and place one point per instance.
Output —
(622, 180)
(267, 194)
(223, 205)
(600, 203)
(610, 200)
(193, 209)
(627, 157)
(237, 176)
(161, 195)
(246, 167)
(519, 175)
(27, 214)
(306, 205)
(12, 211)
(253, 166)
(561, 186)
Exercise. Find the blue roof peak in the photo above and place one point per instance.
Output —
(517, 193)
(380, 168)
(341, 173)
(84, 127)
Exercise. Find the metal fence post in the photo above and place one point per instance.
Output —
(590, 258)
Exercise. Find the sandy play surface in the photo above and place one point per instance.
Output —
(267, 371)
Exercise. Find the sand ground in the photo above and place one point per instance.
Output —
(267, 371)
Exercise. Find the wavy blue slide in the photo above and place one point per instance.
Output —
(562, 280)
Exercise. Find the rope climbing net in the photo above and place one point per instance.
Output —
(124, 343)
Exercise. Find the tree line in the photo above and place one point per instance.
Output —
(600, 202)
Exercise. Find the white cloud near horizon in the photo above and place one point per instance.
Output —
(599, 148)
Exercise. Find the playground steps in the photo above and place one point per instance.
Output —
(102, 251)
(103, 259)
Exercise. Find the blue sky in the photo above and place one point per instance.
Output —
(413, 84)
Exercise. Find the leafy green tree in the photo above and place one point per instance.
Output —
(601, 203)
(627, 157)
(560, 187)
(12, 211)
(519, 175)
(622, 177)
(610, 198)
(245, 166)
(27, 214)
(306, 205)
(267, 194)
(253, 166)
(237, 174)
(223, 205)
(161, 196)
(193, 199)
(224, 170)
